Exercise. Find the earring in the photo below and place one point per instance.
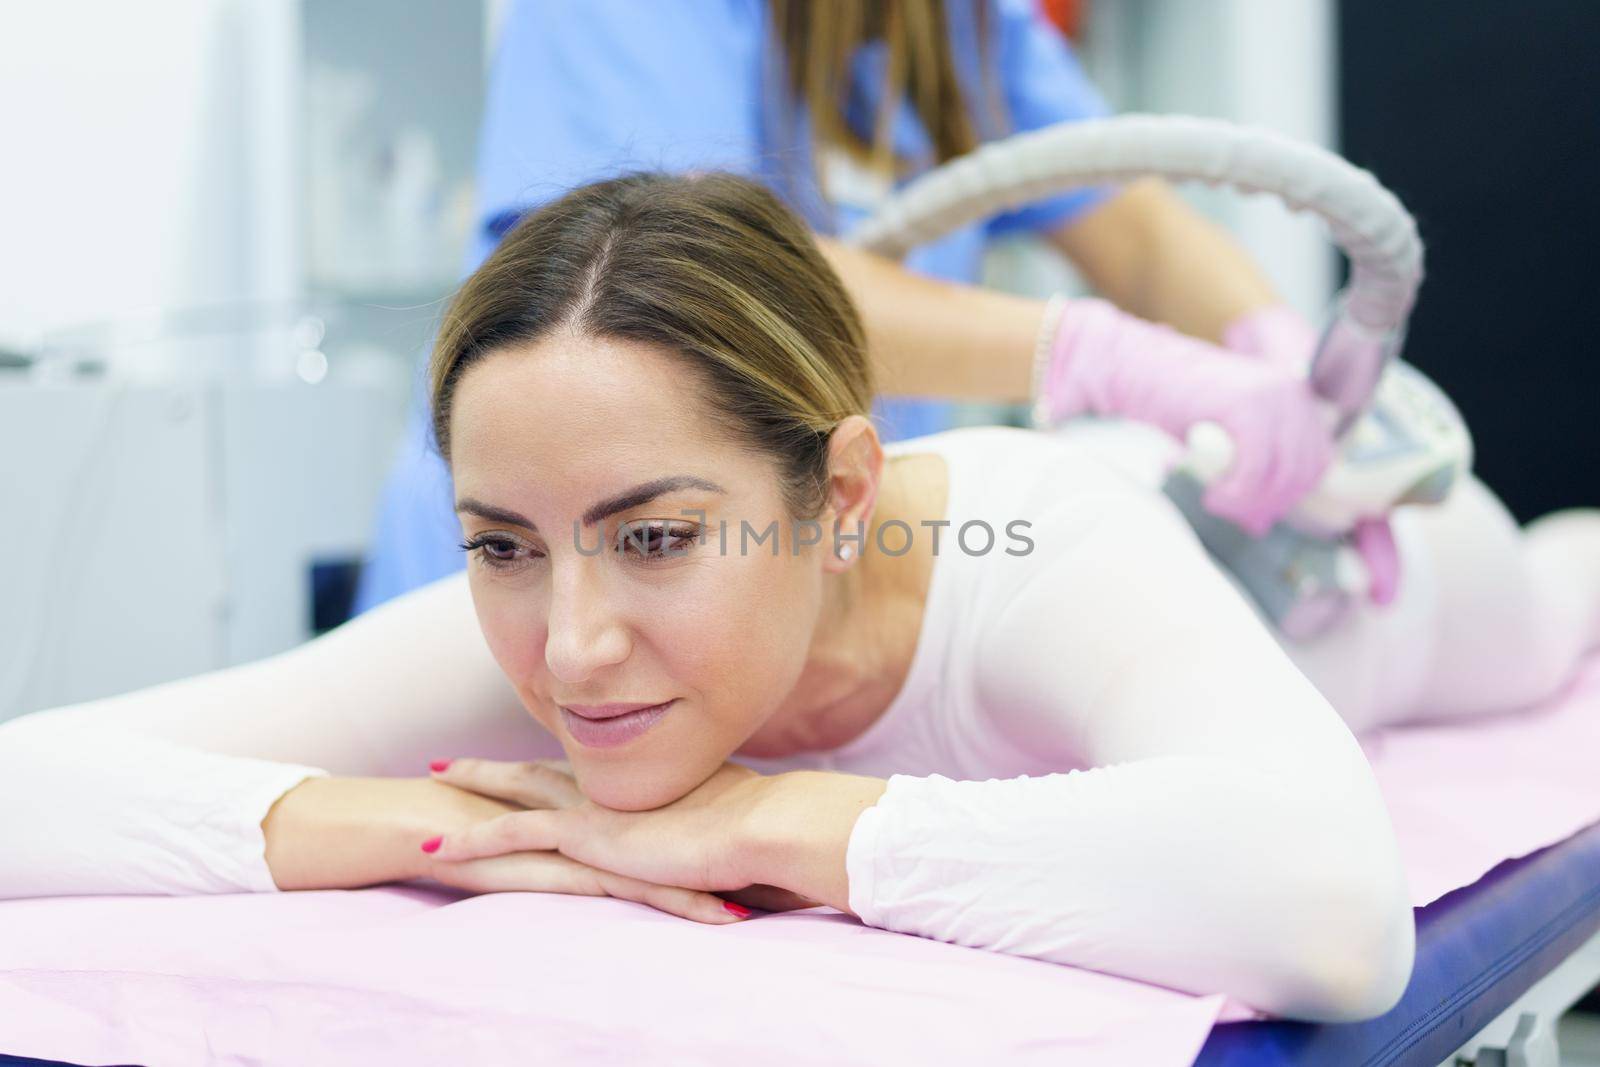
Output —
(847, 552)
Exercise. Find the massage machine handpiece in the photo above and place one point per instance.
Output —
(1407, 445)
(1400, 438)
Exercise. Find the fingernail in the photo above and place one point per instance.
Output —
(432, 844)
(439, 766)
(740, 911)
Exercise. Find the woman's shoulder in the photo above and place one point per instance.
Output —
(984, 442)
(993, 464)
(1033, 499)
(1062, 503)
(1065, 520)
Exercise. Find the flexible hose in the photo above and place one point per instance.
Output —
(1366, 221)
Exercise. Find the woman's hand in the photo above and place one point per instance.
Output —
(345, 833)
(1105, 362)
(551, 872)
(1277, 334)
(1279, 431)
(673, 858)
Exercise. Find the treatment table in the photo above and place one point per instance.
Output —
(1497, 962)
(1519, 946)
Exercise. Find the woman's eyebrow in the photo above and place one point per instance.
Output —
(642, 493)
(646, 492)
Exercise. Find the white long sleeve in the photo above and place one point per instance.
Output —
(163, 790)
(1222, 831)
(98, 809)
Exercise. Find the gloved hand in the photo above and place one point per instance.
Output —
(1276, 333)
(1105, 362)
(1280, 335)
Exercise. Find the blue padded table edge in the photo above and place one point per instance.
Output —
(1478, 949)
(21, 1061)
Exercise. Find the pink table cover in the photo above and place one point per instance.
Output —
(406, 975)
(1466, 796)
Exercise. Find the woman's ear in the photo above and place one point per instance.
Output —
(855, 472)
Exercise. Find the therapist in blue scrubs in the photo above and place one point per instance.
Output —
(581, 91)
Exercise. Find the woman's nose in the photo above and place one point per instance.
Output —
(586, 630)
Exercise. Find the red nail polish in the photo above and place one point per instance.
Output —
(439, 766)
(432, 844)
(739, 910)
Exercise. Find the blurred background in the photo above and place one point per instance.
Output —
(227, 229)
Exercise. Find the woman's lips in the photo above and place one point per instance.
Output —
(605, 711)
(613, 729)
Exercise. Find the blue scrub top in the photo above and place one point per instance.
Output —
(581, 91)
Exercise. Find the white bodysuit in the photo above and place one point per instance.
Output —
(1100, 757)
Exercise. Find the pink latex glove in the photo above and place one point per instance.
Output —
(1280, 335)
(1276, 333)
(1103, 361)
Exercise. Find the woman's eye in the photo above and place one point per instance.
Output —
(656, 540)
(499, 553)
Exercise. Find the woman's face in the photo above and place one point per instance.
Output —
(581, 466)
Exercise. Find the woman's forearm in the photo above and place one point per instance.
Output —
(1198, 873)
(342, 833)
(935, 338)
(800, 830)
(91, 808)
(1145, 250)
(1151, 254)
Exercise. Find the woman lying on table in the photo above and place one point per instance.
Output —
(982, 686)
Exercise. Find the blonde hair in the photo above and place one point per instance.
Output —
(711, 268)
